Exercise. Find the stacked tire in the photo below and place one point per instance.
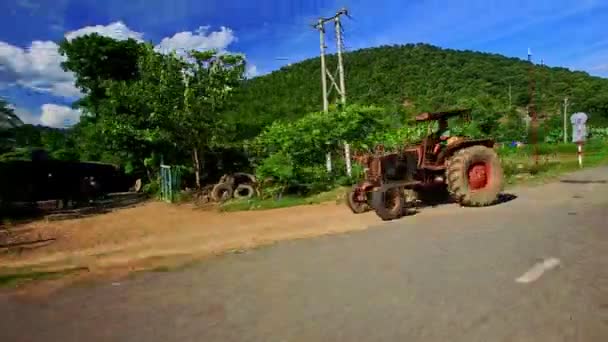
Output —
(238, 185)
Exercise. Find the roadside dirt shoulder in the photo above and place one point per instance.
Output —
(155, 233)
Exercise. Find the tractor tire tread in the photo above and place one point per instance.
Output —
(457, 177)
(378, 204)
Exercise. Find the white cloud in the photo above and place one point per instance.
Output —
(37, 67)
(59, 116)
(201, 39)
(51, 115)
(117, 30)
(252, 71)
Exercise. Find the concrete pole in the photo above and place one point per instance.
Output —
(340, 65)
(566, 120)
(321, 27)
(349, 169)
(323, 67)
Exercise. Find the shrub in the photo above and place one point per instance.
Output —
(275, 172)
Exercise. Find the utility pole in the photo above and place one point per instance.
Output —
(532, 107)
(566, 120)
(340, 47)
(349, 169)
(325, 74)
(321, 27)
(510, 97)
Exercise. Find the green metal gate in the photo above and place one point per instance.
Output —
(169, 183)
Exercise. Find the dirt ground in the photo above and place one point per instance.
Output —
(156, 234)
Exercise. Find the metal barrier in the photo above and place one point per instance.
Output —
(169, 183)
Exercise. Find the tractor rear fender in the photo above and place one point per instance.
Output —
(451, 149)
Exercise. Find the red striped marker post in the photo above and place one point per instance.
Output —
(580, 154)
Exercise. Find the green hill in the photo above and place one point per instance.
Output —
(423, 76)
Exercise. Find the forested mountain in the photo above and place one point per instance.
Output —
(426, 78)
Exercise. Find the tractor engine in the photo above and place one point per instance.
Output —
(393, 167)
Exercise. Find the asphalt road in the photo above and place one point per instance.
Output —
(444, 274)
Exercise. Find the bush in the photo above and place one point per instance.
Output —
(598, 133)
(152, 188)
(308, 139)
(279, 170)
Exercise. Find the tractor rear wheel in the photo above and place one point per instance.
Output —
(475, 176)
(388, 203)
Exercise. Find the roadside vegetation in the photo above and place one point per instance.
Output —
(198, 112)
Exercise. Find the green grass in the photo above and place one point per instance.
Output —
(593, 146)
(284, 202)
(16, 277)
(520, 167)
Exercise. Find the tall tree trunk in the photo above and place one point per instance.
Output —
(197, 168)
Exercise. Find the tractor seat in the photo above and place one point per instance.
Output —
(429, 142)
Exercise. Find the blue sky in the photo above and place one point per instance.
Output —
(565, 33)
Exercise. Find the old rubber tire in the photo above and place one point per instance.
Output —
(388, 203)
(474, 176)
(244, 178)
(355, 207)
(244, 191)
(137, 185)
(222, 192)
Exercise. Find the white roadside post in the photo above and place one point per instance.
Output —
(328, 162)
(579, 133)
(347, 157)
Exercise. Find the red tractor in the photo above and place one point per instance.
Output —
(468, 169)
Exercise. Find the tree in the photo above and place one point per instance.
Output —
(94, 60)
(8, 122)
(134, 119)
(8, 118)
(103, 68)
(210, 79)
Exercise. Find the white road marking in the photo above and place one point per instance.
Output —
(537, 270)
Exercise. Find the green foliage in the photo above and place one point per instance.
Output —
(152, 188)
(396, 138)
(598, 133)
(140, 103)
(9, 122)
(277, 168)
(8, 118)
(308, 139)
(94, 60)
(427, 77)
(513, 128)
(16, 154)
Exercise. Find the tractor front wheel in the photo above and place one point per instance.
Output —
(388, 203)
(354, 203)
(475, 176)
